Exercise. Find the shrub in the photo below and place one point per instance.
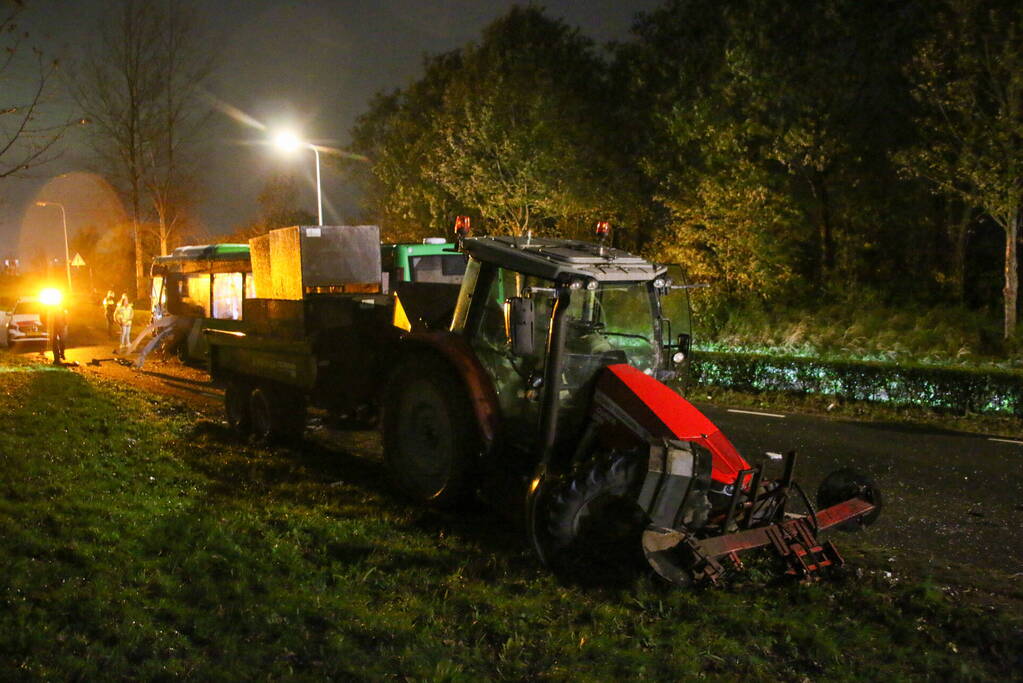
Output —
(960, 390)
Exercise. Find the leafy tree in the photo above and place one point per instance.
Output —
(512, 129)
(399, 137)
(969, 80)
(789, 111)
(524, 125)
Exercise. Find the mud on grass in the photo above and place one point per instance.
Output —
(139, 540)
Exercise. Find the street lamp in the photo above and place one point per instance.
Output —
(67, 257)
(289, 142)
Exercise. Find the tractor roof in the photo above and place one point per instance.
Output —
(561, 260)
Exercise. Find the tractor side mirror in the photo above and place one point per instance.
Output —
(518, 323)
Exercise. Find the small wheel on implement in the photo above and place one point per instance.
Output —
(429, 433)
(236, 407)
(593, 518)
(276, 414)
(845, 484)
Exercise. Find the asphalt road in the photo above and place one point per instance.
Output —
(949, 498)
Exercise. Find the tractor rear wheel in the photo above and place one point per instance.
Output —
(429, 433)
(593, 517)
(236, 407)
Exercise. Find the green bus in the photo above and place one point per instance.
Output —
(206, 283)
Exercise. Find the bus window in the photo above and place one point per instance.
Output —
(227, 296)
(438, 268)
(250, 286)
(197, 293)
(157, 296)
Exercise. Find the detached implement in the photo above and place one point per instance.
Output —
(545, 391)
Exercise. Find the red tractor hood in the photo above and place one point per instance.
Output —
(655, 413)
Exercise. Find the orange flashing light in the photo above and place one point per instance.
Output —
(603, 229)
(463, 226)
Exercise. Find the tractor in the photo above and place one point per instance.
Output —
(553, 396)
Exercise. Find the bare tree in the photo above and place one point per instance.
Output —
(185, 63)
(26, 138)
(140, 87)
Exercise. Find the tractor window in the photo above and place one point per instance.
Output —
(493, 348)
(613, 323)
(675, 307)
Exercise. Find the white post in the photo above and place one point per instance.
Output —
(319, 192)
(67, 255)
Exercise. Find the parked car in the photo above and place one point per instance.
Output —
(23, 324)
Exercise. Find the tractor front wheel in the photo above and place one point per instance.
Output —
(429, 433)
(593, 516)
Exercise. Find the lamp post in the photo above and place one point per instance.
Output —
(67, 257)
(289, 142)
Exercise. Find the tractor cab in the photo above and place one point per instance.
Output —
(544, 316)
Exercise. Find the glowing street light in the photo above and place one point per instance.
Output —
(67, 257)
(290, 142)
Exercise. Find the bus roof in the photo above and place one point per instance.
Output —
(204, 258)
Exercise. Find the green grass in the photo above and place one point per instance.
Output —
(139, 541)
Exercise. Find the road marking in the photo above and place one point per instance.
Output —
(991, 438)
(753, 412)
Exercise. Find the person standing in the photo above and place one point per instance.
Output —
(58, 332)
(123, 316)
(109, 306)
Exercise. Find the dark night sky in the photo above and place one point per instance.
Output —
(313, 65)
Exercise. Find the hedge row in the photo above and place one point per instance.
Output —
(956, 389)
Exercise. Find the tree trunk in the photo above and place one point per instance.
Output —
(961, 233)
(825, 231)
(1011, 275)
(140, 277)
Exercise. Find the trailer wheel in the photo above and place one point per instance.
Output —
(430, 437)
(276, 414)
(237, 397)
(592, 518)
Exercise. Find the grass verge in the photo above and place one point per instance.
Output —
(832, 406)
(141, 542)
